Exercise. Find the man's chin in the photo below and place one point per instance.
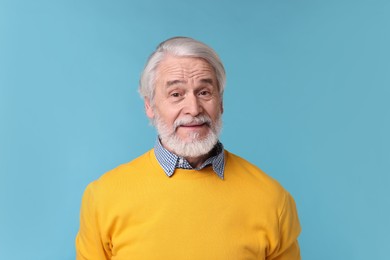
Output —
(189, 141)
(195, 148)
(192, 136)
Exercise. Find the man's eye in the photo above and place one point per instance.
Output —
(204, 93)
(175, 95)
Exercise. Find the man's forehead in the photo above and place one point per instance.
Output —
(178, 69)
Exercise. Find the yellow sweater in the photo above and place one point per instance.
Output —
(136, 212)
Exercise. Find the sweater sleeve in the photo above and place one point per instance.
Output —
(289, 230)
(89, 244)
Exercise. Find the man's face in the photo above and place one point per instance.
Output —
(187, 106)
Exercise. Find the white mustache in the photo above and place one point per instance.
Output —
(188, 120)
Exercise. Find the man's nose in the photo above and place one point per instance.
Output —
(192, 105)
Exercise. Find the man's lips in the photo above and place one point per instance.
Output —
(193, 125)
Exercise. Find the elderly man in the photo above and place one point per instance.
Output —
(188, 198)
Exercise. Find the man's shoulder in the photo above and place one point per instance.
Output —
(244, 169)
(134, 165)
(125, 172)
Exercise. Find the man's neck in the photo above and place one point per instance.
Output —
(196, 162)
(170, 161)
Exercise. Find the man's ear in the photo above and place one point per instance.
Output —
(221, 107)
(148, 108)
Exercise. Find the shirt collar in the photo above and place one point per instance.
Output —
(170, 161)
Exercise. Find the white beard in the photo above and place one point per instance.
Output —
(195, 147)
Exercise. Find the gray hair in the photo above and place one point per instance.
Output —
(181, 47)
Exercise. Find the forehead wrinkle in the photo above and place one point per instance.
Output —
(200, 73)
(179, 72)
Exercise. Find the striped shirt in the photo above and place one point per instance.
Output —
(170, 161)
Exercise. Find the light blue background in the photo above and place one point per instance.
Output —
(307, 100)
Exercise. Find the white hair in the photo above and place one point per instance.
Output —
(181, 47)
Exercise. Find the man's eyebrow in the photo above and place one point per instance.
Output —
(208, 81)
(174, 82)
